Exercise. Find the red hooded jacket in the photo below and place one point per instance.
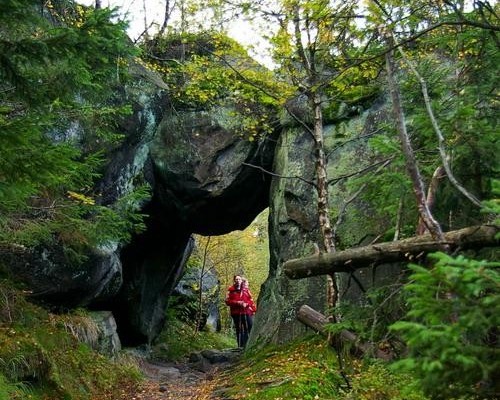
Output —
(239, 301)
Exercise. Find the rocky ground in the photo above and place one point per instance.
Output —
(192, 379)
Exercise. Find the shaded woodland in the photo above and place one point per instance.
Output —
(391, 107)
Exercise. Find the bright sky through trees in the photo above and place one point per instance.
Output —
(133, 12)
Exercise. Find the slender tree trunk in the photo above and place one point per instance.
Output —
(399, 217)
(146, 28)
(321, 176)
(166, 18)
(441, 141)
(308, 63)
(322, 190)
(98, 4)
(200, 285)
(438, 174)
(410, 159)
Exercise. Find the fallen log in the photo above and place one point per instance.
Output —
(317, 321)
(399, 250)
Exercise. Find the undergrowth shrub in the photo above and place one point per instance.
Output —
(452, 328)
(374, 380)
(371, 317)
(180, 336)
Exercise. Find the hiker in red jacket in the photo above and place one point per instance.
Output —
(239, 301)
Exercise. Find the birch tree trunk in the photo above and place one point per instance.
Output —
(323, 202)
(308, 61)
(410, 159)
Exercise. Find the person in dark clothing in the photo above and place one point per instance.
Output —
(251, 308)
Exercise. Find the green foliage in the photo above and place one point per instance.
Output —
(209, 71)
(459, 64)
(451, 327)
(371, 317)
(492, 206)
(60, 65)
(308, 369)
(40, 356)
(179, 338)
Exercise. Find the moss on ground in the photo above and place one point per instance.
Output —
(41, 359)
(308, 369)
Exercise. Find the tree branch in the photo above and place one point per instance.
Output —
(379, 164)
(441, 141)
(278, 175)
(400, 250)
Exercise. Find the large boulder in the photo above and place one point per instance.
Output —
(206, 174)
(107, 343)
(208, 180)
(293, 230)
(59, 278)
(294, 227)
(55, 278)
(129, 165)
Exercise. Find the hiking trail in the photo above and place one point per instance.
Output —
(192, 379)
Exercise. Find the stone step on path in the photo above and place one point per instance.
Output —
(192, 379)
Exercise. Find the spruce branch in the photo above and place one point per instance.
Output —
(441, 140)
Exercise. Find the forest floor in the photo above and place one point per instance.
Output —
(180, 380)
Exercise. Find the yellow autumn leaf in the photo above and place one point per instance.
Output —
(81, 197)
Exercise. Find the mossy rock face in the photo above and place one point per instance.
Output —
(293, 229)
(206, 174)
(55, 278)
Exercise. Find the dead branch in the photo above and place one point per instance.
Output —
(411, 249)
(441, 141)
(317, 321)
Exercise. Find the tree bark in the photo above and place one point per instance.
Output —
(317, 321)
(166, 18)
(410, 159)
(401, 250)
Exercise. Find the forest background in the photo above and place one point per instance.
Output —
(47, 179)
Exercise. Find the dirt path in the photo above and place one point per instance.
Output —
(191, 380)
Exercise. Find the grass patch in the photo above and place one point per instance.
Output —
(308, 370)
(304, 369)
(40, 358)
(373, 380)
